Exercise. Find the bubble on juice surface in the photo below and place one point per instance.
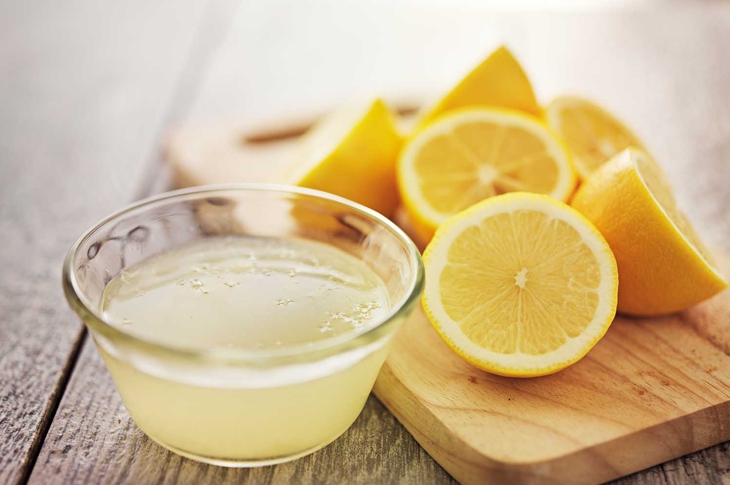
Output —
(220, 292)
(202, 268)
(196, 284)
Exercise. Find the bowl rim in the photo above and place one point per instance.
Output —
(92, 318)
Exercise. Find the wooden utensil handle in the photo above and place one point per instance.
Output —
(281, 130)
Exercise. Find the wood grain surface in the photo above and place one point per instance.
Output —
(88, 89)
(82, 91)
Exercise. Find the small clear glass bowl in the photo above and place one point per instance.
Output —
(236, 407)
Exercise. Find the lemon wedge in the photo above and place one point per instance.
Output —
(498, 81)
(351, 153)
(663, 265)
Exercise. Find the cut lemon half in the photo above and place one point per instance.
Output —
(498, 81)
(469, 155)
(593, 134)
(663, 265)
(520, 285)
(351, 153)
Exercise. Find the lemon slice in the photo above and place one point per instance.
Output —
(593, 134)
(520, 285)
(663, 265)
(351, 153)
(498, 81)
(469, 155)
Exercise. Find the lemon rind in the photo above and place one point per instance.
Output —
(632, 153)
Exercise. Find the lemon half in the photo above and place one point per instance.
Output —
(471, 154)
(520, 285)
(592, 133)
(663, 265)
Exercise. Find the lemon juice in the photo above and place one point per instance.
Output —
(222, 299)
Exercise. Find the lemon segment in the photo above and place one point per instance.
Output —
(592, 133)
(520, 285)
(472, 154)
(663, 265)
(351, 153)
(498, 81)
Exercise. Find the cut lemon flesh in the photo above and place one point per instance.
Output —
(498, 81)
(593, 134)
(663, 265)
(351, 153)
(472, 154)
(520, 285)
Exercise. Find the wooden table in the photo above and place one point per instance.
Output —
(87, 92)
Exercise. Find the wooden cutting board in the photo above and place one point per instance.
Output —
(650, 391)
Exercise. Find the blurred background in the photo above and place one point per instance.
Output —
(105, 80)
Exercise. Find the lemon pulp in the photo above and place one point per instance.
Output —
(537, 281)
(593, 134)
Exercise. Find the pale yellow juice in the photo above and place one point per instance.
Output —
(225, 297)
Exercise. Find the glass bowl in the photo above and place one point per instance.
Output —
(230, 406)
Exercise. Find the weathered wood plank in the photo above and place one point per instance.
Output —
(82, 89)
(706, 467)
(94, 441)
